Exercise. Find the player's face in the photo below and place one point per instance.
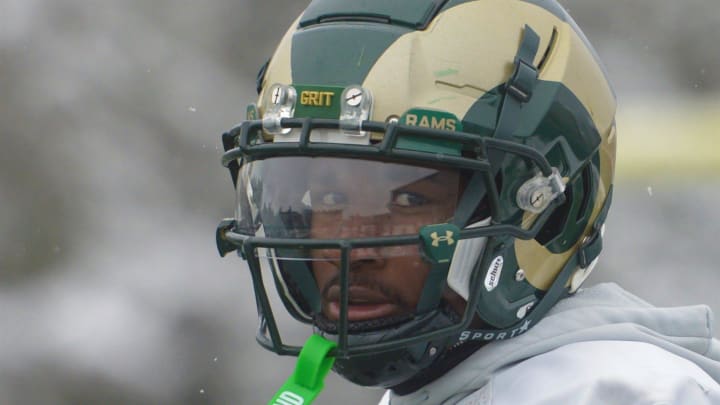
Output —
(361, 199)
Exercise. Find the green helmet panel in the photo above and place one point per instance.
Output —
(415, 14)
(339, 55)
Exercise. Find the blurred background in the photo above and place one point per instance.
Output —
(111, 290)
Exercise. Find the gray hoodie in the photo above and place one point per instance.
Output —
(604, 312)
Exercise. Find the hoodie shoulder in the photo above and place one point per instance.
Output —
(603, 372)
(601, 316)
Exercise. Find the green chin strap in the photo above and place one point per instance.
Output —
(306, 383)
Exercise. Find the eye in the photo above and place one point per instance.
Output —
(408, 199)
(332, 199)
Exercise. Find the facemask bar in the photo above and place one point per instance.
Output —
(245, 142)
(242, 143)
(269, 336)
(248, 245)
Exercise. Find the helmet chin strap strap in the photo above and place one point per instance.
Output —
(306, 383)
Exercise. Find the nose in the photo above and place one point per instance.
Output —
(366, 257)
(360, 226)
(356, 227)
(360, 258)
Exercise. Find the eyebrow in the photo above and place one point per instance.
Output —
(434, 178)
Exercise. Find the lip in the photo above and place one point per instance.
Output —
(363, 304)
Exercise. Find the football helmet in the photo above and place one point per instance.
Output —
(471, 143)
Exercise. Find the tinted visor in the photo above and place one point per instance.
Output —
(332, 198)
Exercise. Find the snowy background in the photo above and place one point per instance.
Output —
(111, 290)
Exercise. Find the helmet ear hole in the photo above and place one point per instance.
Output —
(483, 210)
(583, 213)
(555, 224)
(567, 222)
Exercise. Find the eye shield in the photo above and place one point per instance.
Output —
(329, 198)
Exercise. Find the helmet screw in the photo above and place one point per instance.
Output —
(354, 97)
(520, 275)
(537, 199)
(522, 312)
(393, 119)
(433, 351)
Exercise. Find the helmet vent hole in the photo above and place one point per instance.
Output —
(548, 50)
(582, 213)
(556, 223)
(567, 222)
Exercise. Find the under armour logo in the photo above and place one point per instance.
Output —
(436, 239)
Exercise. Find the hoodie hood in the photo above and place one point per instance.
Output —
(603, 312)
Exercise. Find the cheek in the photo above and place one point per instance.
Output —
(407, 275)
(323, 272)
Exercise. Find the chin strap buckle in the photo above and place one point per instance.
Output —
(591, 246)
(522, 81)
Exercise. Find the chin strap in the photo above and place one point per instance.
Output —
(306, 383)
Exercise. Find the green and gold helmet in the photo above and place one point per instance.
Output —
(463, 150)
